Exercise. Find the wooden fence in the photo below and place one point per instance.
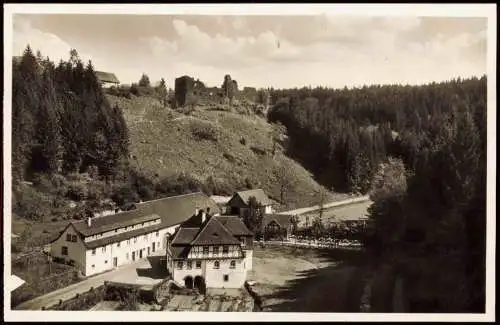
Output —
(309, 244)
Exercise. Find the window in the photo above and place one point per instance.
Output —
(226, 277)
(225, 249)
(189, 265)
(128, 241)
(157, 234)
(135, 239)
(73, 238)
(216, 250)
(198, 264)
(205, 250)
(93, 251)
(93, 265)
(68, 237)
(232, 265)
(216, 265)
(64, 250)
(179, 265)
(126, 256)
(104, 249)
(118, 244)
(106, 262)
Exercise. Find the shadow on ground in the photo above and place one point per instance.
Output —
(334, 288)
(156, 271)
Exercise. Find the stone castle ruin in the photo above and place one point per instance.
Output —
(190, 92)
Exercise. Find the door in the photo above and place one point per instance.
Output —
(154, 247)
(115, 261)
(133, 256)
(149, 249)
(140, 253)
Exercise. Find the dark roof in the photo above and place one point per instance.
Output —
(214, 233)
(113, 221)
(177, 209)
(121, 237)
(184, 235)
(259, 194)
(235, 225)
(284, 220)
(106, 77)
(179, 252)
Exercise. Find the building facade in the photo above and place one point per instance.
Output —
(210, 251)
(239, 202)
(102, 243)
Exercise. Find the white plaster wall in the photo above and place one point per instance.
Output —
(249, 259)
(179, 275)
(214, 278)
(268, 209)
(76, 250)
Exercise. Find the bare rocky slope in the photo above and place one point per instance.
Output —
(235, 149)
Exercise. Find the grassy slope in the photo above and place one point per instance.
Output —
(162, 142)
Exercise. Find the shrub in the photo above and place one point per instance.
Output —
(205, 131)
(178, 184)
(32, 204)
(77, 191)
(243, 141)
(217, 186)
(259, 151)
(123, 194)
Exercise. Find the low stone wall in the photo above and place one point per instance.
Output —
(83, 301)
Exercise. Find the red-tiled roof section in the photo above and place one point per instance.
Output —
(214, 233)
(177, 209)
(113, 221)
(259, 195)
(235, 225)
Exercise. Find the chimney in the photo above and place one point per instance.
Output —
(196, 211)
(89, 221)
(203, 216)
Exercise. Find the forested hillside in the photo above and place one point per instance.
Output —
(428, 221)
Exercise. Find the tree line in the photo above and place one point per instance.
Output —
(61, 120)
(420, 152)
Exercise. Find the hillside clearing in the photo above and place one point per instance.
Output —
(227, 146)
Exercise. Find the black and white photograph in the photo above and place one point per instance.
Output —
(314, 162)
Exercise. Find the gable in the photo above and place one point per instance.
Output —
(214, 233)
(237, 202)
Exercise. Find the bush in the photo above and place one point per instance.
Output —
(217, 186)
(124, 194)
(32, 204)
(178, 184)
(77, 191)
(205, 131)
(243, 141)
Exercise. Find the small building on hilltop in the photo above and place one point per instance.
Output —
(209, 251)
(102, 243)
(238, 204)
(106, 79)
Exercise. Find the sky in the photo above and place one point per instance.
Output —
(263, 51)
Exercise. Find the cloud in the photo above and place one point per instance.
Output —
(50, 45)
(282, 51)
